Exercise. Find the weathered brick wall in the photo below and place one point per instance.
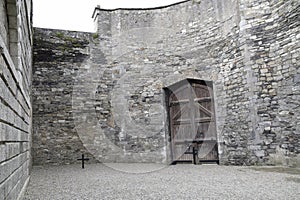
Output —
(248, 49)
(15, 101)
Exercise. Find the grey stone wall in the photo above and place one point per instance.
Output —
(58, 57)
(270, 31)
(116, 94)
(4, 22)
(153, 49)
(15, 100)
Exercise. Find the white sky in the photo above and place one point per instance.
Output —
(76, 14)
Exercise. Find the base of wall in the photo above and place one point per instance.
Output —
(22, 193)
(281, 159)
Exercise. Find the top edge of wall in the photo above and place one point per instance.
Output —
(98, 8)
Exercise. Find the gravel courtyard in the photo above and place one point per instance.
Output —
(151, 181)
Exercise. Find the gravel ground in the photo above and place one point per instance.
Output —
(151, 181)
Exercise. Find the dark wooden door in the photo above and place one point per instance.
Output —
(192, 121)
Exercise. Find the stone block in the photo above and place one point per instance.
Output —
(3, 112)
(12, 149)
(2, 153)
(260, 153)
(14, 49)
(297, 78)
(12, 9)
(2, 131)
(2, 191)
(13, 36)
(13, 23)
(3, 171)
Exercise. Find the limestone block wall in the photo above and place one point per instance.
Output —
(248, 49)
(15, 100)
(58, 57)
(270, 31)
(153, 49)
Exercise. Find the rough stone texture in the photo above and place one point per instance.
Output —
(269, 31)
(111, 95)
(15, 100)
(58, 56)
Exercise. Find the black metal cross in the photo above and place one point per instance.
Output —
(82, 160)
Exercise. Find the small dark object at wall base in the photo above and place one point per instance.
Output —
(82, 160)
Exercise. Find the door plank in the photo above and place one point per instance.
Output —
(181, 111)
(206, 111)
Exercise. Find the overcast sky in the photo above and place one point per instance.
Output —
(76, 14)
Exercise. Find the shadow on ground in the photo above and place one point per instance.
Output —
(285, 170)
